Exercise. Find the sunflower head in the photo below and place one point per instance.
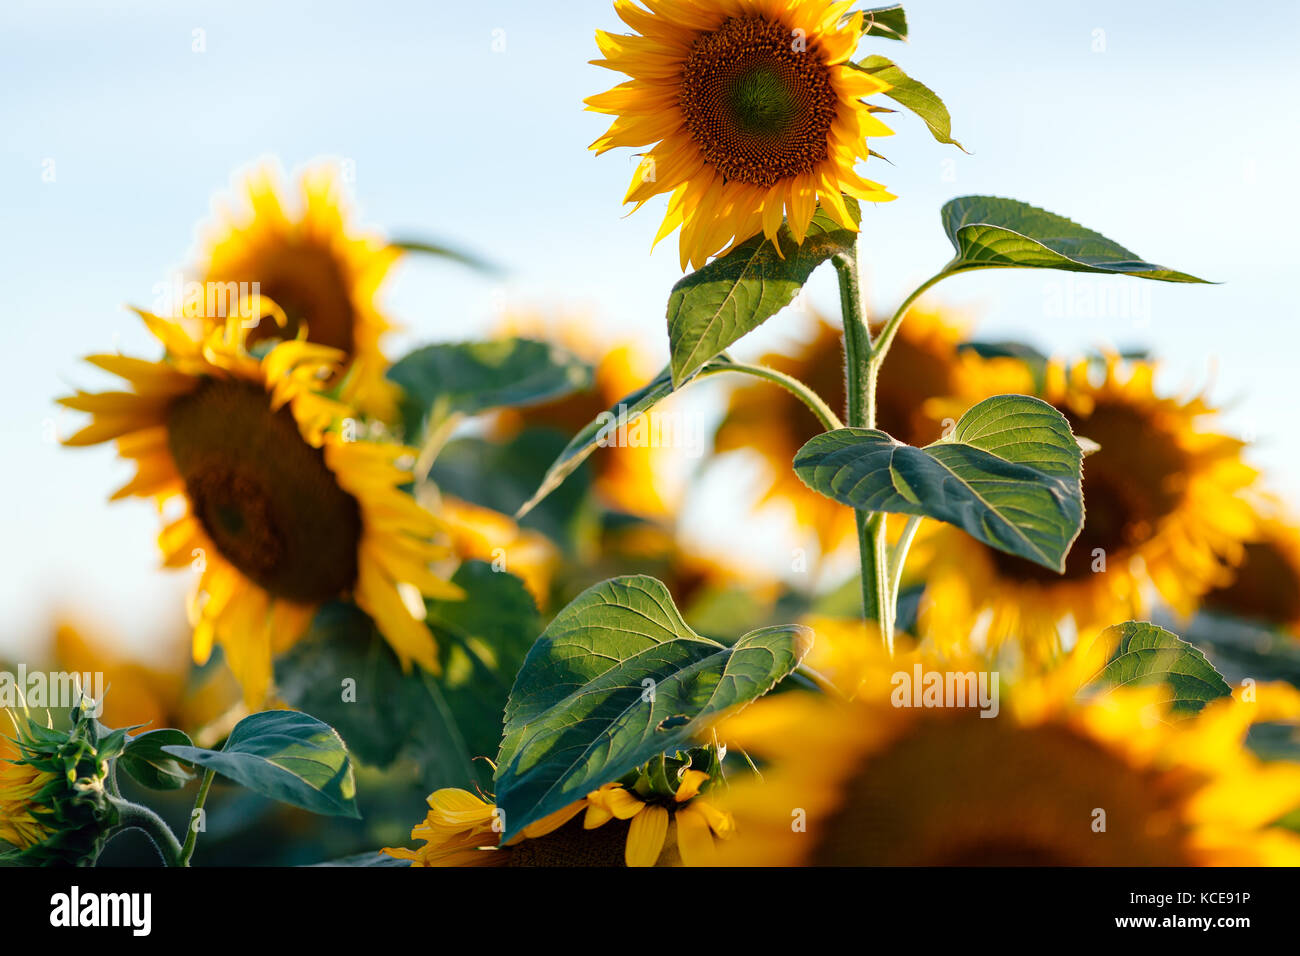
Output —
(752, 112)
(1167, 515)
(280, 510)
(662, 814)
(303, 254)
(1052, 779)
(1265, 586)
(55, 808)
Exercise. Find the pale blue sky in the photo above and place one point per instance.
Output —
(464, 122)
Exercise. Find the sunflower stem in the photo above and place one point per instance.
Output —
(192, 836)
(135, 816)
(860, 388)
(798, 389)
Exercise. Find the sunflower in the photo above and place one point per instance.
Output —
(1054, 779)
(924, 362)
(1167, 515)
(463, 830)
(626, 477)
(314, 264)
(281, 513)
(20, 783)
(752, 111)
(1266, 585)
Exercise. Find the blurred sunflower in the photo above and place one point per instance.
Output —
(626, 477)
(924, 362)
(752, 111)
(315, 265)
(486, 535)
(281, 513)
(1265, 586)
(1165, 515)
(462, 830)
(165, 693)
(1054, 779)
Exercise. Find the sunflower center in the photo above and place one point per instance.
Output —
(306, 280)
(958, 790)
(1129, 487)
(264, 496)
(571, 845)
(758, 101)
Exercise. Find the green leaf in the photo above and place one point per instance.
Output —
(887, 22)
(714, 306)
(597, 432)
(442, 251)
(143, 758)
(913, 95)
(1146, 654)
(1009, 475)
(615, 679)
(286, 756)
(472, 377)
(989, 232)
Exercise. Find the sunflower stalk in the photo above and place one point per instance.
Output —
(135, 816)
(863, 357)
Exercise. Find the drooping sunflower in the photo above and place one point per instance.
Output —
(1265, 586)
(1053, 779)
(618, 828)
(311, 261)
(924, 362)
(628, 476)
(280, 512)
(1167, 516)
(752, 111)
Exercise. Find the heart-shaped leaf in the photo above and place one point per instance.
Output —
(913, 95)
(286, 756)
(1009, 475)
(1147, 654)
(143, 758)
(471, 377)
(712, 307)
(598, 432)
(617, 678)
(989, 232)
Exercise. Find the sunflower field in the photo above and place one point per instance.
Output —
(794, 579)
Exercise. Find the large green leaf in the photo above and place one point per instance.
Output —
(623, 413)
(1009, 475)
(144, 759)
(989, 232)
(1147, 654)
(617, 678)
(471, 377)
(286, 756)
(714, 306)
(442, 723)
(913, 95)
(887, 22)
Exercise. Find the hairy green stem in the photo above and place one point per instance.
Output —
(135, 816)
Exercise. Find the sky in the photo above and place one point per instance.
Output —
(1168, 127)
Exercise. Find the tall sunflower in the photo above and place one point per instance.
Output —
(310, 260)
(1054, 779)
(1167, 516)
(924, 362)
(281, 512)
(752, 111)
(629, 830)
